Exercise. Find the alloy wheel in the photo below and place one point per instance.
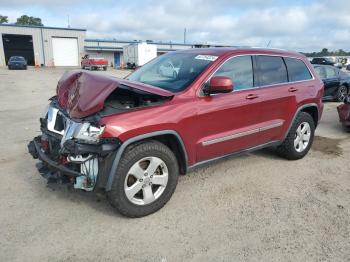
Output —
(146, 180)
(343, 91)
(302, 137)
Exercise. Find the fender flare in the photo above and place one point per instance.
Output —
(301, 108)
(125, 144)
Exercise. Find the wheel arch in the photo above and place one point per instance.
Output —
(311, 109)
(168, 137)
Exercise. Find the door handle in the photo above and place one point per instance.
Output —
(292, 89)
(252, 96)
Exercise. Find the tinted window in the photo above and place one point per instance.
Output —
(297, 70)
(272, 70)
(240, 70)
(321, 72)
(330, 72)
(17, 58)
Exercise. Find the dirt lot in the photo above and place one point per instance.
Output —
(256, 207)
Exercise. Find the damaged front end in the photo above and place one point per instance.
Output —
(71, 146)
(70, 151)
(344, 113)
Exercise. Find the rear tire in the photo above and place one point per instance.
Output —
(105, 68)
(134, 165)
(342, 92)
(297, 144)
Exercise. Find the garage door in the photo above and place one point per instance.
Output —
(65, 51)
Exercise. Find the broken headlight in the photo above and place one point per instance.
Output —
(88, 132)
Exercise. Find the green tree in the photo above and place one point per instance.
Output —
(324, 52)
(29, 20)
(3, 19)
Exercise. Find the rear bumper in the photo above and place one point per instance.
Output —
(96, 66)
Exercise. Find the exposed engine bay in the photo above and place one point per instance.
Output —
(125, 98)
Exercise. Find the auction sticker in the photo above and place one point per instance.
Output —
(206, 57)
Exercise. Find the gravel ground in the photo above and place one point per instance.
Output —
(255, 207)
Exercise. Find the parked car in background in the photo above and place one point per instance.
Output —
(17, 62)
(134, 136)
(338, 65)
(94, 63)
(336, 82)
(322, 61)
(169, 70)
(344, 113)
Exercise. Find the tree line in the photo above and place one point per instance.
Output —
(326, 52)
(23, 20)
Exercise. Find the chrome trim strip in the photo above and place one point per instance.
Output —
(230, 137)
(271, 126)
(241, 134)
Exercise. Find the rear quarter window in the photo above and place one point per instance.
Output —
(297, 70)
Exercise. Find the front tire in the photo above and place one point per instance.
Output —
(145, 180)
(299, 138)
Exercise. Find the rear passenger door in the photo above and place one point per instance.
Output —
(277, 96)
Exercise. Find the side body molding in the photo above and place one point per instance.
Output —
(113, 171)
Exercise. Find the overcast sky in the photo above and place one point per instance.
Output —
(296, 25)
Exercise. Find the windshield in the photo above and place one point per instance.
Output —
(173, 71)
(17, 58)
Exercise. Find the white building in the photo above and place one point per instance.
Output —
(49, 46)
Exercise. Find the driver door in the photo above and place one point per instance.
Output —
(229, 122)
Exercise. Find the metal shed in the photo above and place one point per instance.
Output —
(49, 46)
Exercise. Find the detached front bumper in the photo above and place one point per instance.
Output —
(35, 149)
(75, 162)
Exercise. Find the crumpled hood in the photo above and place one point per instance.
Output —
(83, 93)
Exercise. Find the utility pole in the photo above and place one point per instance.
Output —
(68, 21)
(184, 35)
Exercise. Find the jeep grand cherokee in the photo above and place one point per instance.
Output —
(134, 136)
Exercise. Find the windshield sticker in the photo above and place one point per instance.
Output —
(206, 57)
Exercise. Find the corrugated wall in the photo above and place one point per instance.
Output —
(34, 32)
(42, 37)
(48, 34)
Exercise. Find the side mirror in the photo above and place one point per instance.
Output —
(219, 84)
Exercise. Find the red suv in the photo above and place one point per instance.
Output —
(134, 136)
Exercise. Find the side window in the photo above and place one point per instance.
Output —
(240, 70)
(297, 70)
(321, 72)
(272, 70)
(330, 72)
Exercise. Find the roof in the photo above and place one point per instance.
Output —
(43, 27)
(218, 51)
